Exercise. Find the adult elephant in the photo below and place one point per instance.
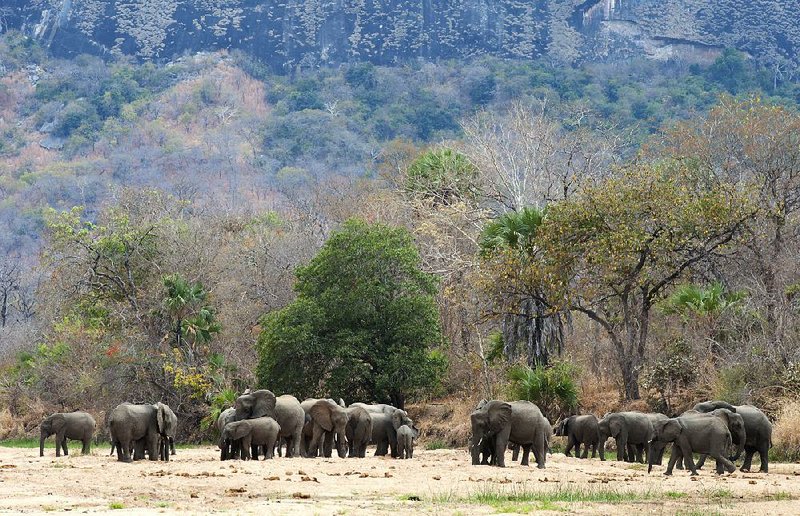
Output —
(735, 424)
(579, 430)
(384, 431)
(757, 428)
(290, 415)
(358, 431)
(260, 403)
(140, 425)
(328, 420)
(67, 425)
(520, 422)
(166, 446)
(632, 432)
(706, 435)
(654, 418)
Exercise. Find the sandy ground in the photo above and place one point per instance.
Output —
(434, 482)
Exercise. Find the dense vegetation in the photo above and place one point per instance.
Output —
(455, 228)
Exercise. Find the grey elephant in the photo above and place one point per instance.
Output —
(166, 445)
(406, 436)
(384, 431)
(707, 435)
(290, 415)
(260, 403)
(146, 424)
(228, 449)
(579, 430)
(632, 432)
(328, 423)
(654, 417)
(757, 428)
(253, 434)
(358, 431)
(520, 422)
(732, 420)
(67, 425)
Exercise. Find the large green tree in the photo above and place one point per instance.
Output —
(618, 247)
(365, 324)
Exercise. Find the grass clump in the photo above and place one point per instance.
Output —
(116, 505)
(436, 444)
(786, 434)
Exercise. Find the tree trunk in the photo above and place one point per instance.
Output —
(542, 334)
(398, 400)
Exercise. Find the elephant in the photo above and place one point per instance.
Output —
(166, 444)
(632, 431)
(67, 425)
(579, 430)
(520, 422)
(384, 431)
(732, 420)
(290, 415)
(260, 403)
(707, 435)
(757, 428)
(654, 417)
(328, 420)
(406, 436)
(358, 431)
(228, 449)
(146, 424)
(252, 433)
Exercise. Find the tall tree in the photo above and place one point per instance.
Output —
(616, 248)
(365, 323)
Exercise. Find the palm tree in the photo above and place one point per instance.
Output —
(541, 332)
(184, 303)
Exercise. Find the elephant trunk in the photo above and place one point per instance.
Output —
(739, 446)
(653, 451)
(341, 444)
(476, 449)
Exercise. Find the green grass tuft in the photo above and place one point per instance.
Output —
(116, 505)
(436, 444)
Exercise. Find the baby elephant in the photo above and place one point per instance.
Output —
(405, 441)
(579, 430)
(262, 431)
(70, 425)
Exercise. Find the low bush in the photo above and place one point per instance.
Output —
(786, 433)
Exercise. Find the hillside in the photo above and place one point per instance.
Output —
(310, 33)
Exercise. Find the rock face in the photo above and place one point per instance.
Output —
(291, 33)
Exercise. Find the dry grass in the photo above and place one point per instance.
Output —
(445, 422)
(786, 432)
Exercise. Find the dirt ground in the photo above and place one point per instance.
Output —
(433, 482)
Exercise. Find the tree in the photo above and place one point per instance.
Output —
(185, 303)
(616, 248)
(530, 323)
(364, 324)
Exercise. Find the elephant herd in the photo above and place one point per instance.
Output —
(710, 429)
(260, 423)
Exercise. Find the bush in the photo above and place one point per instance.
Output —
(786, 433)
(552, 388)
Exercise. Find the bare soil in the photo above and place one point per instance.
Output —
(433, 482)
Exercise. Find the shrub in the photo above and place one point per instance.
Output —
(786, 433)
(552, 388)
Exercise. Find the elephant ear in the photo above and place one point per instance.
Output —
(321, 413)
(240, 429)
(400, 418)
(499, 415)
(57, 422)
(264, 405)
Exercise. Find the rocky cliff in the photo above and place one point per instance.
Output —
(290, 33)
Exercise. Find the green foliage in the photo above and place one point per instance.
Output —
(732, 71)
(552, 389)
(442, 175)
(515, 230)
(673, 369)
(383, 346)
(699, 301)
(219, 402)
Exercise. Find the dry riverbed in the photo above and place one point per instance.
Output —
(434, 482)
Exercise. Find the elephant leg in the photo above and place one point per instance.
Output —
(686, 449)
(514, 452)
(570, 445)
(327, 447)
(763, 454)
(701, 461)
(723, 462)
(748, 458)
(59, 437)
(673, 458)
(86, 443)
(594, 450)
(621, 448)
(585, 451)
(640, 453)
(526, 450)
(500, 445)
(630, 453)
